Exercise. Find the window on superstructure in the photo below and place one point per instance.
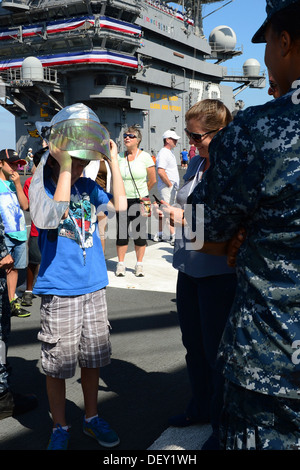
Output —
(111, 79)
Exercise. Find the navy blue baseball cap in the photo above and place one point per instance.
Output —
(272, 7)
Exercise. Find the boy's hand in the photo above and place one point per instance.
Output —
(113, 151)
(61, 156)
(15, 177)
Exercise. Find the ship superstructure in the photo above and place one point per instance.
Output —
(132, 61)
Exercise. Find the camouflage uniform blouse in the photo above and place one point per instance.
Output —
(3, 253)
(3, 248)
(254, 182)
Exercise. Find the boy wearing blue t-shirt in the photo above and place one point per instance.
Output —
(72, 275)
(12, 204)
(184, 158)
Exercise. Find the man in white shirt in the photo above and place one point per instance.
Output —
(168, 178)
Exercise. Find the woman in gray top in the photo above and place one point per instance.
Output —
(205, 286)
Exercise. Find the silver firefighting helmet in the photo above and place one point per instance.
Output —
(77, 130)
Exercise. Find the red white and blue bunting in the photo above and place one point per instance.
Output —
(71, 24)
(93, 56)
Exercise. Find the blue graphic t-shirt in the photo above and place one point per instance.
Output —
(73, 262)
(11, 212)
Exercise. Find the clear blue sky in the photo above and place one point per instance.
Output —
(243, 16)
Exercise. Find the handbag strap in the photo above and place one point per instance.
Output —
(197, 178)
(131, 173)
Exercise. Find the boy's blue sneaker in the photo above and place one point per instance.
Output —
(59, 439)
(101, 431)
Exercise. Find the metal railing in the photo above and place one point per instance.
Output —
(22, 4)
(13, 76)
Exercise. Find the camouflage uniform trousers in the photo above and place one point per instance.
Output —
(4, 334)
(254, 421)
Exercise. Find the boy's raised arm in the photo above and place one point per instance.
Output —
(119, 201)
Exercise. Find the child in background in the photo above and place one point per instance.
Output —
(34, 254)
(12, 204)
(184, 158)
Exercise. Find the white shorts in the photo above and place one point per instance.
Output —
(169, 194)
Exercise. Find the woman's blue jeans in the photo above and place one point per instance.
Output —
(203, 306)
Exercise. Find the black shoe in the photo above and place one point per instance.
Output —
(26, 300)
(15, 404)
(212, 443)
(24, 403)
(182, 420)
(17, 311)
(6, 405)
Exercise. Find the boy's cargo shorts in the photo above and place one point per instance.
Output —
(74, 328)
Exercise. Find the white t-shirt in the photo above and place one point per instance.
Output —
(166, 159)
(91, 171)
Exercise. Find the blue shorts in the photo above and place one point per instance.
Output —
(18, 250)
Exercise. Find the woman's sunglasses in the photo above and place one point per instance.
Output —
(197, 137)
(131, 136)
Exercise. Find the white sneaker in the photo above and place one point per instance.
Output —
(157, 237)
(121, 270)
(172, 240)
(139, 272)
(160, 237)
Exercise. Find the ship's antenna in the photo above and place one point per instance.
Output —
(217, 9)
